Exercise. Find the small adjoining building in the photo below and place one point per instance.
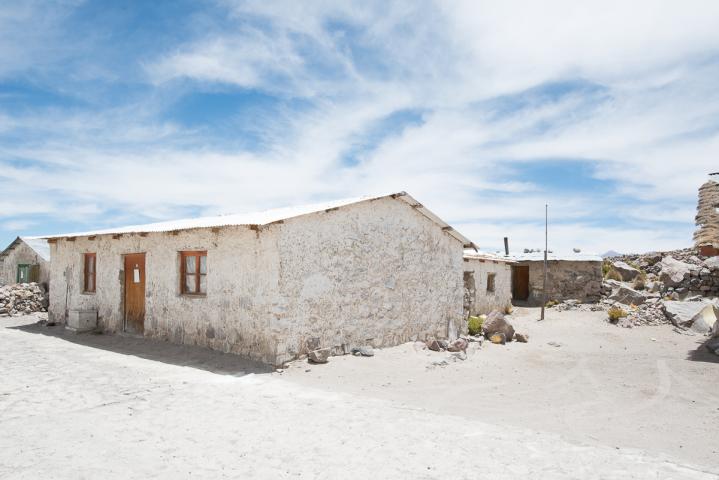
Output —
(25, 260)
(270, 285)
(487, 282)
(569, 276)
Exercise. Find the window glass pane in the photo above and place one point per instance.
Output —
(90, 264)
(203, 284)
(91, 283)
(203, 264)
(190, 264)
(190, 283)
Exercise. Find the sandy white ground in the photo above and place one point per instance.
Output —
(116, 407)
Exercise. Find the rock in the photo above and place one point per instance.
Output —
(554, 344)
(434, 345)
(459, 345)
(498, 338)
(628, 296)
(496, 323)
(458, 356)
(699, 316)
(521, 337)
(713, 346)
(438, 363)
(321, 355)
(627, 272)
(711, 264)
(673, 272)
(364, 351)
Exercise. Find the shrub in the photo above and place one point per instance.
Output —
(640, 282)
(606, 266)
(612, 274)
(474, 325)
(615, 313)
(551, 303)
(508, 310)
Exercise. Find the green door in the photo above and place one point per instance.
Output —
(23, 273)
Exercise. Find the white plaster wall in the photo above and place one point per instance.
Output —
(21, 254)
(235, 314)
(484, 301)
(376, 272)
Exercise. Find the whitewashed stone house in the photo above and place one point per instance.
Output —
(487, 282)
(576, 276)
(379, 270)
(26, 259)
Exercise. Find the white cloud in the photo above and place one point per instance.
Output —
(650, 126)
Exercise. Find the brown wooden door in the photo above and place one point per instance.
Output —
(135, 293)
(520, 282)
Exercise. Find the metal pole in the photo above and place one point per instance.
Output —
(546, 243)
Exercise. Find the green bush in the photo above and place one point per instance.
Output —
(474, 325)
(551, 303)
(615, 313)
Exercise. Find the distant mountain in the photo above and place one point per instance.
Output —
(610, 253)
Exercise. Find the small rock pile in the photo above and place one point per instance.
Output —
(22, 299)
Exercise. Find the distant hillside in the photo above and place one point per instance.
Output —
(610, 253)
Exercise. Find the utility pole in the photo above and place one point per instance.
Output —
(546, 244)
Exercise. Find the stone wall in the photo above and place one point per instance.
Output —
(377, 272)
(23, 254)
(480, 300)
(566, 279)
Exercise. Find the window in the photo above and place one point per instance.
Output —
(193, 268)
(490, 282)
(89, 269)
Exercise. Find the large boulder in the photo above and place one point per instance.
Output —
(627, 272)
(673, 272)
(628, 296)
(712, 264)
(699, 316)
(496, 323)
(321, 355)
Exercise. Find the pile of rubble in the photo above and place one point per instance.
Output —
(22, 299)
(679, 273)
(678, 288)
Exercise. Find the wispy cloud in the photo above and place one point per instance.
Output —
(459, 102)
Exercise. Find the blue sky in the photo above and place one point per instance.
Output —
(124, 112)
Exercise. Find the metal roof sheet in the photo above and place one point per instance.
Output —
(266, 217)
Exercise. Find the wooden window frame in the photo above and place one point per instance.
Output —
(87, 274)
(491, 281)
(183, 266)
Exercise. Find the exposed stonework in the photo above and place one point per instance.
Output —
(375, 273)
(566, 279)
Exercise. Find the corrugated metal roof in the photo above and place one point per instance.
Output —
(266, 217)
(566, 256)
(487, 256)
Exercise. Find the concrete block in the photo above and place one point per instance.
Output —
(81, 320)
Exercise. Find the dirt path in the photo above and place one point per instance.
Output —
(113, 407)
(645, 388)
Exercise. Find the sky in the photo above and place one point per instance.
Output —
(117, 113)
